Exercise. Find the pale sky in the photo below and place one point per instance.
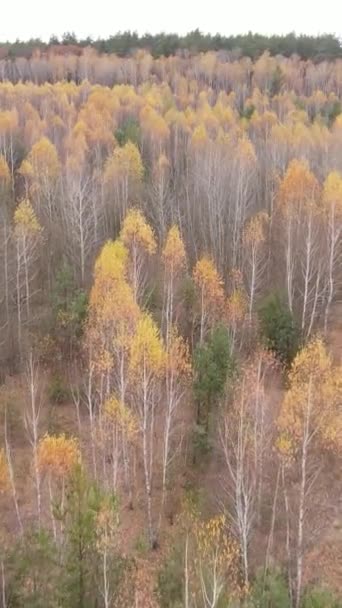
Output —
(40, 18)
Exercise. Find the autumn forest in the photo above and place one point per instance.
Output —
(170, 330)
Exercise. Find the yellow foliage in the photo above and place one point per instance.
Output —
(254, 233)
(208, 280)
(199, 137)
(147, 350)
(332, 192)
(44, 159)
(298, 186)
(4, 473)
(58, 455)
(4, 170)
(26, 168)
(313, 401)
(178, 357)
(111, 262)
(136, 231)
(237, 306)
(118, 413)
(174, 251)
(217, 549)
(25, 220)
(125, 161)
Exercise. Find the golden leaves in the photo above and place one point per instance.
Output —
(119, 414)
(136, 231)
(174, 251)
(254, 233)
(298, 186)
(217, 550)
(44, 159)
(208, 280)
(146, 350)
(125, 161)
(312, 404)
(25, 220)
(332, 192)
(111, 262)
(58, 455)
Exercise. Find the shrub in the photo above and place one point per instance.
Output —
(58, 393)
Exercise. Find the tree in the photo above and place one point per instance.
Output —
(332, 200)
(254, 254)
(278, 328)
(174, 258)
(297, 197)
(211, 293)
(147, 364)
(123, 174)
(213, 366)
(245, 434)
(137, 235)
(27, 236)
(309, 417)
(215, 562)
(57, 457)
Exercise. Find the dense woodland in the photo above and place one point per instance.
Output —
(326, 46)
(170, 330)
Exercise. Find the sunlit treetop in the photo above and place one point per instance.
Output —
(147, 349)
(174, 251)
(125, 161)
(44, 158)
(111, 262)
(299, 185)
(207, 278)
(25, 220)
(136, 231)
(58, 455)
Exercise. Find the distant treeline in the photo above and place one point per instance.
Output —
(317, 48)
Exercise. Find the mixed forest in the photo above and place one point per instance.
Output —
(170, 330)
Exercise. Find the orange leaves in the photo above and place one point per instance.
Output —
(178, 357)
(174, 251)
(254, 233)
(58, 455)
(146, 350)
(209, 282)
(298, 186)
(136, 231)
